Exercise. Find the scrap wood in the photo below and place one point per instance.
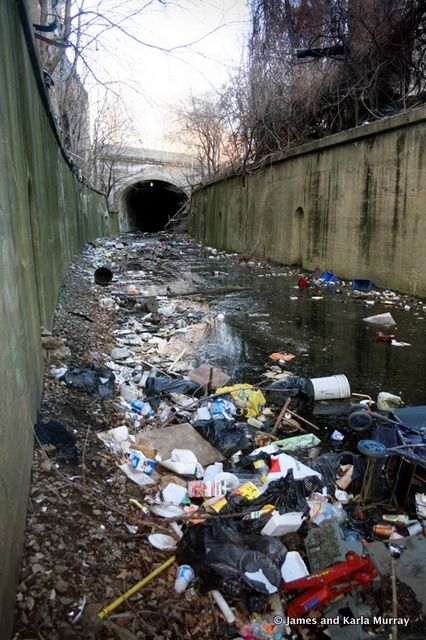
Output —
(176, 360)
(281, 416)
(200, 517)
(207, 375)
(181, 436)
(296, 415)
(81, 315)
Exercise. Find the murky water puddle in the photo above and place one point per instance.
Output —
(328, 335)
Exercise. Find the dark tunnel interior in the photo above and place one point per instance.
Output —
(151, 204)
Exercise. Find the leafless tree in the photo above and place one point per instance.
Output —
(68, 53)
(205, 127)
(68, 32)
(112, 134)
(318, 67)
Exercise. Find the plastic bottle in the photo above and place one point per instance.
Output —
(144, 408)
(183, 577)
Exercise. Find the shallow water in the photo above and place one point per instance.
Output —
(328, 336)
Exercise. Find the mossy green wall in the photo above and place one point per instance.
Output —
(46, 216)
(353, 203)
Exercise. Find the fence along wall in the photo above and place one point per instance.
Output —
(46, 215)
(352, 203)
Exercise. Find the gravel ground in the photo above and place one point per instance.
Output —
(77, 545)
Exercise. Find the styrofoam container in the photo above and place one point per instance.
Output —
(281, 523)
(331, 388)
(293, 567)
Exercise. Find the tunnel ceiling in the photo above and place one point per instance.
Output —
(150, 204)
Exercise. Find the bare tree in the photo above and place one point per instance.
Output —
(70, 37)
(201, 129)
(112, 134)
(320, 67)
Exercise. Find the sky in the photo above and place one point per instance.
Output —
(152, 82)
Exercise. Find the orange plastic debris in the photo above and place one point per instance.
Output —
(286, 357)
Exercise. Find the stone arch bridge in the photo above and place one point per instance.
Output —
(149, 186)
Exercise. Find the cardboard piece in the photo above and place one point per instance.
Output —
(205, 372)
(183, 436)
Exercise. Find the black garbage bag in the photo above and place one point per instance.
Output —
(226, 435)
(247, 462)
(224, 557)
(53, 432)
(256, 569)
(286, 494)
(328, 464)
(157, 384)
(299, 389)
(96, 381)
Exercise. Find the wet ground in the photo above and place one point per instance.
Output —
(328, 335)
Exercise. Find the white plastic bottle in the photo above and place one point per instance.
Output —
(183, 577)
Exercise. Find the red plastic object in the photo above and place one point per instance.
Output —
(384, 337)
(322, 588)
(303, 283)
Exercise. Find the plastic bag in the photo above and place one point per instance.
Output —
(300, 389)
(158, 384)
(55, 433)
(329, 511)
(95, 381)
(222, 555)
(286, 494)
(306, 441)
(250, 397)
(227, 436)
(328, 464)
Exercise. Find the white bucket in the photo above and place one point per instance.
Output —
(331, 388)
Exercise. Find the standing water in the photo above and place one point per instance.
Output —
(322, 326)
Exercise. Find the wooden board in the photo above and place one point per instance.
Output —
(205, 372)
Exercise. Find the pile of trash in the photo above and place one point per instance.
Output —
(247, 501)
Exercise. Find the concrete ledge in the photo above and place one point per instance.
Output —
(353, 203)
(384, 125)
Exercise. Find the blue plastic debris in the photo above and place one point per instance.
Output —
(360, 284)
(328, 277)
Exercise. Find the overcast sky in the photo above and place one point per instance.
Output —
(154, 81)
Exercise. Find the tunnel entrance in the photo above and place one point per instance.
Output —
(150, 204)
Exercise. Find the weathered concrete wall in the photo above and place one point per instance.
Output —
(46, 215)
(353, 203)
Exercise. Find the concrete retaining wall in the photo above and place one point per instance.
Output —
(46, 215)
(353, 203)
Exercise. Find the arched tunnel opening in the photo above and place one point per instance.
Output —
(149, 205)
